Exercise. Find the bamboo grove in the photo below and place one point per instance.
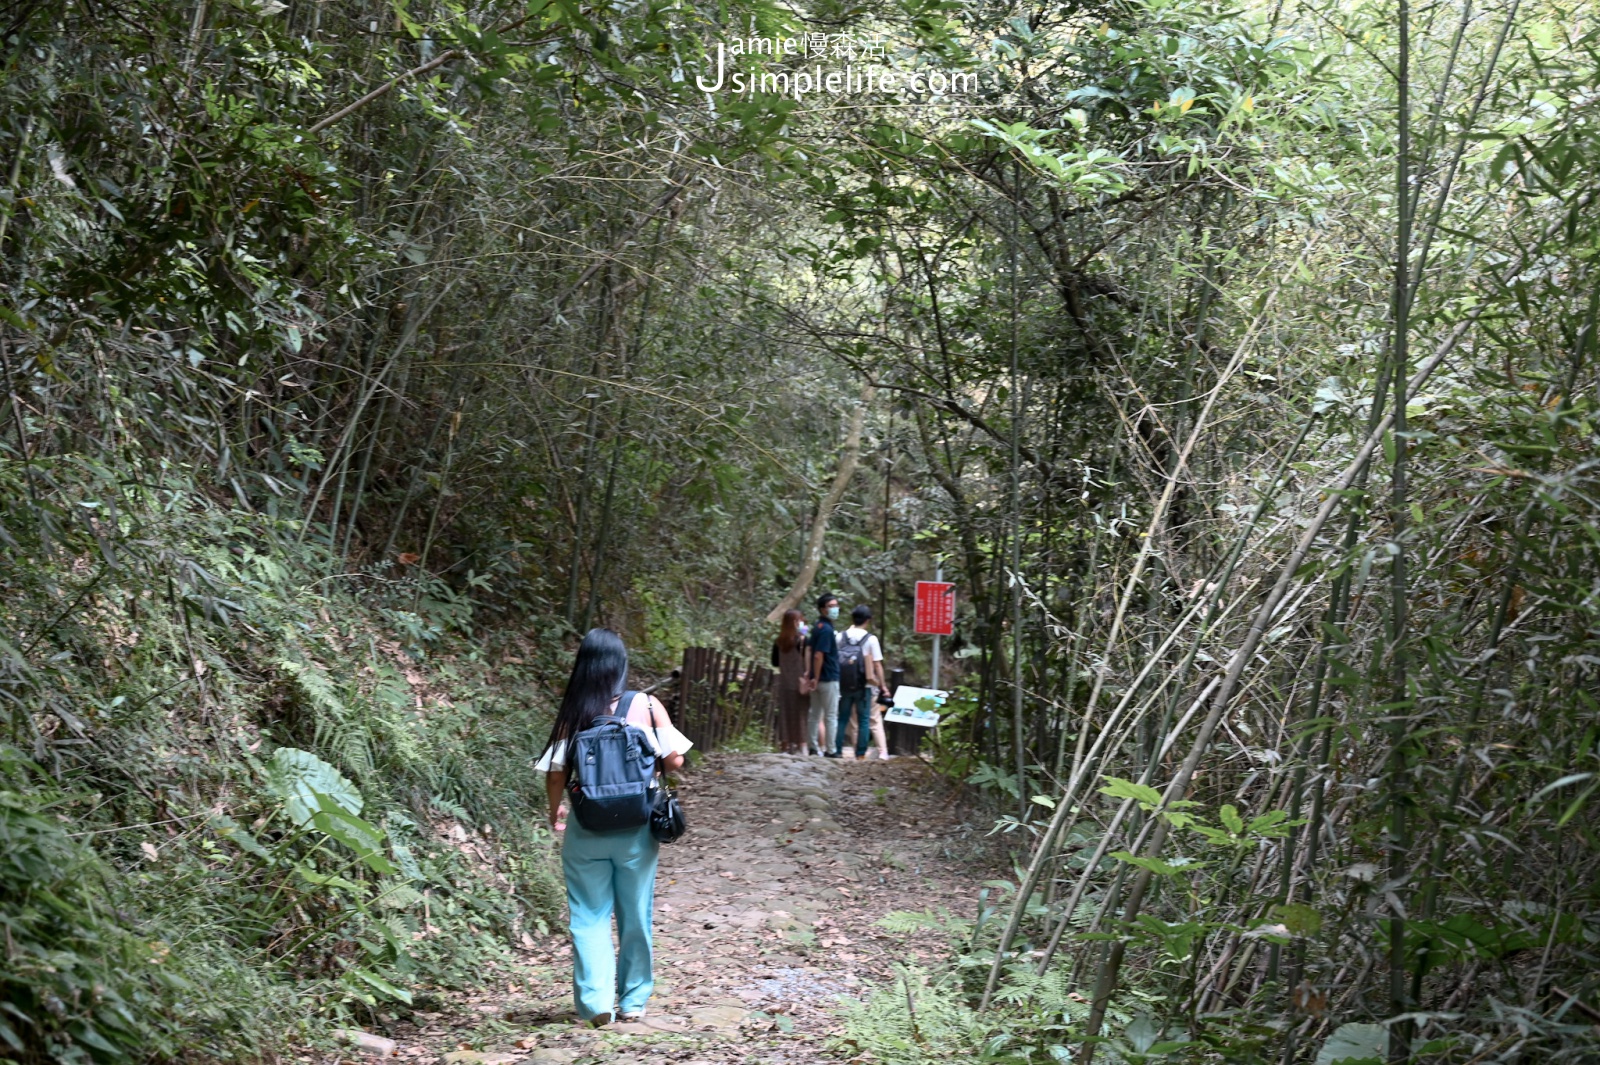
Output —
(1237, 362)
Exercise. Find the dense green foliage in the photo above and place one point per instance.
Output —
(223, 880)
(1248, 399)
(316, 443)
(74, 976)
(1280, 566)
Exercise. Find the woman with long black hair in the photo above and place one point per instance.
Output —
(607, 873)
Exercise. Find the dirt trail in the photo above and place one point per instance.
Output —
(766, 915)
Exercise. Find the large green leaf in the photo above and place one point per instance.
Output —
(1298, 918)
(378, 983)
(311, 876)
(360, 836)
(228, 828)
(1355, 1044)
(298, 777)
(1156, 865)
(1117, 788)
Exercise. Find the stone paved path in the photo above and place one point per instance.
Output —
(765, 918)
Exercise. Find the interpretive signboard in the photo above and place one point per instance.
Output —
(905, 711)
(936, 608)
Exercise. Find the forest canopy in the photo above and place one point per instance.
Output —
(1236, 361)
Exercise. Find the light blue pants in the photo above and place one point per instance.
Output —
(610, 873)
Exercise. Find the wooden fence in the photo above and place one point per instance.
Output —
(721, 697)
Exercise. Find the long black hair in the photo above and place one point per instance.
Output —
(598, 674)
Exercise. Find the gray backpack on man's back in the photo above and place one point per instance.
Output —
(853, 664)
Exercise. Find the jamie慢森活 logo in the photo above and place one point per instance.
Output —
(866, 68)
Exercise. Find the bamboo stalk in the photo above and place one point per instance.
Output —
(373, 385)
(1398, 770)
(1179, 784)
(1079, 765)
(1018, 751)
(1110, 834)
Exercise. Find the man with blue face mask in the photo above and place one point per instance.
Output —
(824, 706)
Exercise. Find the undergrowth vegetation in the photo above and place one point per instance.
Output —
(243, 801)
(86, 968)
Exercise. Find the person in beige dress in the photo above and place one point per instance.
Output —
(794, 696)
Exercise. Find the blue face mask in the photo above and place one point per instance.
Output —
(833, 613)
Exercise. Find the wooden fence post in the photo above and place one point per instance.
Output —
(711, 711)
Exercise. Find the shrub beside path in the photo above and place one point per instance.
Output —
(766, 917)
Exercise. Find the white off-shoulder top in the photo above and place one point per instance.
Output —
(664, 740)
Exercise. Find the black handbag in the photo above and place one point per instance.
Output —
(666, 815)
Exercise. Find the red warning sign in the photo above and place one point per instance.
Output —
(936, 608)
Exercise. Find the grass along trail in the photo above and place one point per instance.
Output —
(766, 917)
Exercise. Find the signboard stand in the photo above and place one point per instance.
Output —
(906, 712)
(935, 613)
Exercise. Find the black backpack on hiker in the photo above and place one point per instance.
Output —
(611, 779)
(853, 663)
(611, 769)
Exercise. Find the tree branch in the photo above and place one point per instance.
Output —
(949, 405)
(415, 72)
(848, 458)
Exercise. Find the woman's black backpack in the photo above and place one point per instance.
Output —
(611, 767)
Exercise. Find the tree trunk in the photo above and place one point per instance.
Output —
(848, 457)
